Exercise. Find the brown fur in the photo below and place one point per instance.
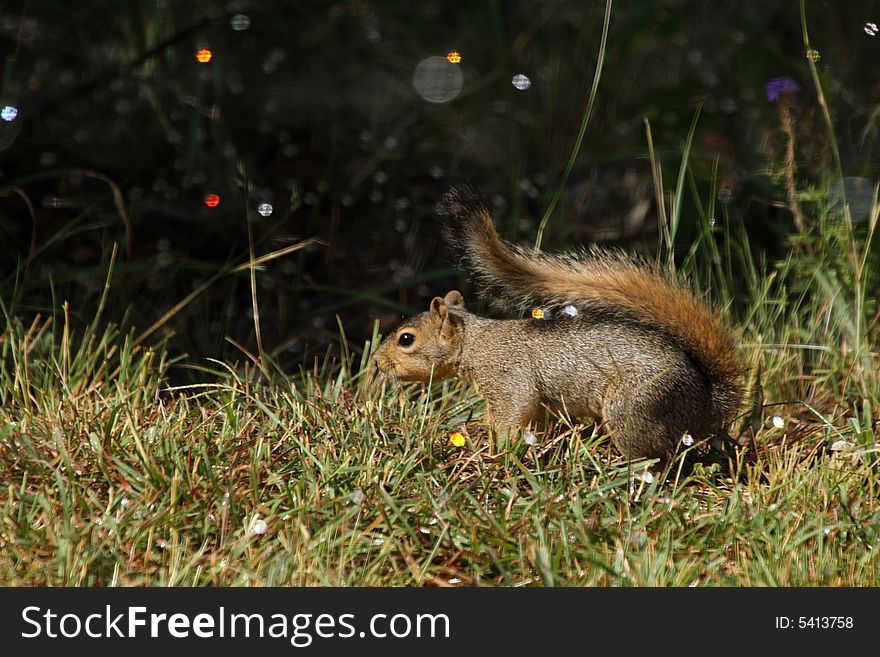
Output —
(643, 354)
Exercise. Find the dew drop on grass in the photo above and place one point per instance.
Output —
(777, 421)
(357, 497)
(813, 55)
(871, 29)
(260, 526)
(240, 22)
(530, 439)
(8, 113)
(687, 440)
(265, 209)
(521, 82)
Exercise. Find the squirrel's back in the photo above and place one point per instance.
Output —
(598, 279)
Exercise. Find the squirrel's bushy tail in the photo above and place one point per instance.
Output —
(600, 279)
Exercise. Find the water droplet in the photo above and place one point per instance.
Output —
(521, 82)
(203, 55)
(571, 311)
(711, 222)
(646, 476)
(871, 29)
(437, 80)
(212, 200)
(357, 497)
(240, 22)
(8, 113)
(265, 209)
(813, 55)
(530, 439)
(687, 440)
(259, 526)
(725, 195)
(777, 421)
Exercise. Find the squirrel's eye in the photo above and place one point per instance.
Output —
(406, 339)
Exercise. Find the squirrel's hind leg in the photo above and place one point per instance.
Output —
(637, 434)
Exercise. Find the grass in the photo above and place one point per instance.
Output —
(113, 477)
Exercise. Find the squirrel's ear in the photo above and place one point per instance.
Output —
(439, 314)
(453, 298)
(438, 311)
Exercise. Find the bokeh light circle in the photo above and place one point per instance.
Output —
(437, 80)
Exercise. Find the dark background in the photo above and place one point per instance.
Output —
(121, 134)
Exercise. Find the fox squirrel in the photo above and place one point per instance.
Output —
(624, 343)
